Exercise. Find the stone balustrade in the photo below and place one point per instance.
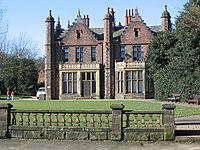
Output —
(62, 118)
(129, 65)
(115, 124)
(144, 119)
(78, 66)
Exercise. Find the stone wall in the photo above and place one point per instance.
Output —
(115, 125)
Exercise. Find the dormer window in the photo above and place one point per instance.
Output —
(78, 33)
(137, 32)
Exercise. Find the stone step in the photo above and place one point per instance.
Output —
(187, 132)
(187, 127)
(192, 138)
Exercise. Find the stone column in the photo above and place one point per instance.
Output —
(117, 121)
(169, 122)
(5, 119)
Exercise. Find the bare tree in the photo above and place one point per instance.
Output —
(191, 16)
(23, 46)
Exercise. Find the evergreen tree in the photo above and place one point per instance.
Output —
(174, 59)
(20, 74)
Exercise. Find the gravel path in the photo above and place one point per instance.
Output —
(16, 144)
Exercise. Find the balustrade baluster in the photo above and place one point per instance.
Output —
(34, 119)
(42, 119)
(70, 121)
(135, 120)
(84, 120)
(91, 120)
(56, 119)
(158, 125)
(21, 119)
(99, 120)
(14, 119)
(150, 120)
(77, 120)
(49, 119)
(27, 119)
(63, 119)
(143, 121)
(127, 120)
(106, 120)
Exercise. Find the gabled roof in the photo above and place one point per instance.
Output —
(156, 29)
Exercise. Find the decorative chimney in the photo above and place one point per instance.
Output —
(86, 20)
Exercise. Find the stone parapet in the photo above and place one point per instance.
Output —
(78, 66)
(5, 120)
(129, 65)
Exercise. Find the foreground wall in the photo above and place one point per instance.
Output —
(116, 125)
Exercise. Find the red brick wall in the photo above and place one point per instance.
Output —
(86, 40)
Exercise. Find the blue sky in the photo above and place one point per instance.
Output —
(28, 16)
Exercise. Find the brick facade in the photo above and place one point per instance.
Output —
(108, 62)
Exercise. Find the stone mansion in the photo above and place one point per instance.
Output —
(100, 63)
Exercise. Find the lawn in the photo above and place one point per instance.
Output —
(95, 105)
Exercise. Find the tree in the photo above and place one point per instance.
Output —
(174, 59)
(191, 15)
(160, 51)
(20, 74)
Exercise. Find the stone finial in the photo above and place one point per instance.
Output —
(165, 7)
(79, 12)
(58, 26)
(68, 25)
(136, 12)
(50, 18)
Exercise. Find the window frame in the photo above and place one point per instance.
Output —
(69, 82)
(137, 53)
(66, 54)
(122, 52)
(135, 82)
(79, 54)
(93, 54)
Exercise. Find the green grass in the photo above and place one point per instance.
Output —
(95, 105)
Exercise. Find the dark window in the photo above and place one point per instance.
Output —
(79, 54)
(137, 54)
(78, 33)
(134, 82)
(137, 31)
(70, 82)
(66, 51)
(120, 80)
(93, 82)
(122, 52)
(93, 51)
(91, 78)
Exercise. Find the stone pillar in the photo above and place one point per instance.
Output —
(169, 122)
(5, 119)
(117, 121)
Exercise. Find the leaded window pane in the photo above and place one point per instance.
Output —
(70, 87)
(66, 51)
(93, 75)
(64, 87)
(69, 76)
(128, 77)
(134, 75)
(93, 86)
(140, 75)
(74, 87)
(128, 86)
(74, 76)
(134, 86)
(93, 53)
(122, 52)
(140, 87)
